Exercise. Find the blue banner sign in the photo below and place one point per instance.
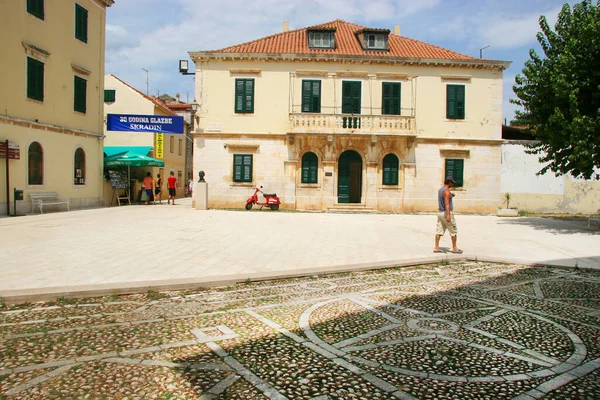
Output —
(144, 123)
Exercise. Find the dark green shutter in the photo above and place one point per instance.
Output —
(455, 169)
(390, 170)
(310, 168)
(311, 96)
(244, 95)
(242, 167)
(36, 7)
(351, 93)
(80, 95)
(109, 95)
(455, 101)
(390, 98)
(35, 79)
(81, 23)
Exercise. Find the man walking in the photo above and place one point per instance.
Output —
(445, 216)
(148, 183)
(171, 184)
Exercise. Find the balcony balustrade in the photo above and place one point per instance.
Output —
(350, 123)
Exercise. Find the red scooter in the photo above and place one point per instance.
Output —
(271, 200)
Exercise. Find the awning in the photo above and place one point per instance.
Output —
(131, 159)
(112, 150)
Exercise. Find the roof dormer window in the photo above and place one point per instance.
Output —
(321, 40)
(376, 41)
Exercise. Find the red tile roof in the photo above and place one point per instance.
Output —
(346, 43)
(159, 104)
(179, 106)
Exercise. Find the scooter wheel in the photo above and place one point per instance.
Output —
(274, 207)
(248, 206)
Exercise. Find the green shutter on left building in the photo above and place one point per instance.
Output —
(36, 7)
(80, 95)
(35, 79)
(81, 23)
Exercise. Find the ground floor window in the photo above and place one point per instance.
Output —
(390, 169)
(35, 159)
(455, 168)
(79, 170)
(242, 167)
(310, 165)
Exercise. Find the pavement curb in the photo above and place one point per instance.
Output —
(107, 289)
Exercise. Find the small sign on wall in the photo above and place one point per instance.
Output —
(160, 145)
(328, 173)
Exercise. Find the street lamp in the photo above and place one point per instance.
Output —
(481, 51)
(183, 68)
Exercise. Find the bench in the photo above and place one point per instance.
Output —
(594, 218)
(44, 199)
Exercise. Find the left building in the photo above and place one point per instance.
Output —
(51, 102)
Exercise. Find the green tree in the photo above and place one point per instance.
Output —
(560, 93)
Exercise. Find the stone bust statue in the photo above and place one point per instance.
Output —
(201, 175)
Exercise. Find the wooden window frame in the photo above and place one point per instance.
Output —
(387, 102)
(310, 168)
(35, 79)
(79, 94)
(455, 101)
(241, 166)
(456, 164)
(311, 102)
(81, 23)
(244, 96)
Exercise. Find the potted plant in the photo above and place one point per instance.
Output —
(507, 212)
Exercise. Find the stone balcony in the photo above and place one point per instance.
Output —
(350, 123)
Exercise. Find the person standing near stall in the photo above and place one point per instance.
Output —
(148, 183)
(158, 189)
(171, 182)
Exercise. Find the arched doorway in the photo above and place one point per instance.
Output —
(349, 177)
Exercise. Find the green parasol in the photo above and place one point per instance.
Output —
(131, 159)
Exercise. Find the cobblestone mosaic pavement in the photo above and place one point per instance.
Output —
(445, 331)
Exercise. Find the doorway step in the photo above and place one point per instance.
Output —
(350, 208)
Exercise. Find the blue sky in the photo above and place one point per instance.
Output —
(156, 34)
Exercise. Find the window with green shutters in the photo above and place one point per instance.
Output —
(455, 168)
(350, 97)
(310, 168)
(242, 167)
(81, 23)
(244, 95)
(80, 95)
(35, 79)
(36, 7)
(390, 102)
(110, 95)
(455, 101)
(311, 96)
(390, 169)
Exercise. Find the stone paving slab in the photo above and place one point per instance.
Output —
(446, 330)
(92, 252)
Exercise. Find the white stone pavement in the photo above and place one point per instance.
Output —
(141, 245)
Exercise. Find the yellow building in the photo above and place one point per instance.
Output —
(339, 116)
(52, 72)
(122, 98)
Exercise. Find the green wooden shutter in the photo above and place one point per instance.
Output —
(244, 95)
(36, 7)
(80, 95)
(455, 101)
(109, 95)
(351, 96)
(455, 169)
(81, 23)
(311, 96)
(306, 96)
(390, 170)
(237, 167)
(310, 165)
(390, 102)
(35, 79)
(242, 167)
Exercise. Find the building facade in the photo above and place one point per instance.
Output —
(342, 116)
(122, 98)
(52, 73)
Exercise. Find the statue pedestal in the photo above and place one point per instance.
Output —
(200, 196)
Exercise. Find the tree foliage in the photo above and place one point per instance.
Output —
(560, 93)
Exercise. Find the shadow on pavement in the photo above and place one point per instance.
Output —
(566, 225)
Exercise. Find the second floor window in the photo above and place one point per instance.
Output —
(110, 95)
(351, 94)
(390, 102)
(80, 95)
(171, 144)
(455, 102)
(376, 41)
(35, 79)
(81, 23)
(311, 96)
(180, 146)
(244, 95)
(36, 7)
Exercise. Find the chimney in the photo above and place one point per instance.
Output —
(285, 26)
(177, 97)
(397, 30)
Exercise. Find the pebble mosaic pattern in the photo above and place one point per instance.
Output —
(446, 331)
